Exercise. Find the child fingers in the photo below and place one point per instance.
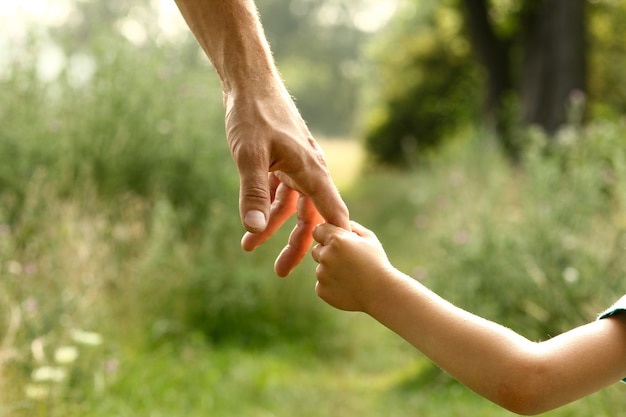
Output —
(323, 233)
(361, 231)
(316, 253)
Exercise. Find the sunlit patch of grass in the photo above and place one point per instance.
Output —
(344, 158)
(193, 378)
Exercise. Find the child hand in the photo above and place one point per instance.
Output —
(351, 266)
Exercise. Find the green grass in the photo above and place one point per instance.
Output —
(123, 269)
(383, 378)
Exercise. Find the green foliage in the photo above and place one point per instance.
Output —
(607, 56)
(556, 263)
(118, 131)
(535, 248)
(119, 215)
(428, 86)
(317, 47)
(124, 291)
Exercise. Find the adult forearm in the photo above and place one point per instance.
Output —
(231, 35)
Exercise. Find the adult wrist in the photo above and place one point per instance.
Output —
(270, 95)
(254, 85)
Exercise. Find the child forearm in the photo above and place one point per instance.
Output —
(497, 363)
(474, 351)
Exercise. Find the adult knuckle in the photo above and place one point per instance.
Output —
(255, 193)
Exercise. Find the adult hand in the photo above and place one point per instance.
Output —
(265, 131)
(282, 171)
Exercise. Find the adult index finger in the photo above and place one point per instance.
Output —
(326, 199)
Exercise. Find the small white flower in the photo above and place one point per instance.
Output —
(49, 374)
(14, 267)
(86, 338)
(571, 275)
(37, 348)
(37, 391)
(65, 354)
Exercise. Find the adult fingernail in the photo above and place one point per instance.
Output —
(255, 220)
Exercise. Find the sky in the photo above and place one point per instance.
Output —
(14, 15)
(17, 16)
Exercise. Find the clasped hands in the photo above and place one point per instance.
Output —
(282, 171)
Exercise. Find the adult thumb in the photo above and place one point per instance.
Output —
(254, 200)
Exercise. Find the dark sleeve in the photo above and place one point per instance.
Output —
(619, 307)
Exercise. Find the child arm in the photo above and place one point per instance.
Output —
(494, 361)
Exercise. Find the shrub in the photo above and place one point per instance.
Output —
(540, 256)
(536, 247)
(427, 86)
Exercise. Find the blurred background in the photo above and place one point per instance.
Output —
(484, 141)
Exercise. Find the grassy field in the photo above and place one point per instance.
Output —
(383, 378)
(345, 160)
(99, 275)
(124, 291)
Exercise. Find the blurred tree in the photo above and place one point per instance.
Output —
(317, 44)
(555, 59)
(550, 36)
(607, 59)
(535, 50)
(90, 19)
(424, 84)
